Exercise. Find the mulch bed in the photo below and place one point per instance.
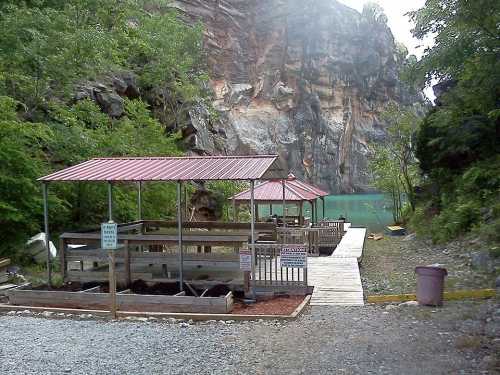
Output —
(275, 306)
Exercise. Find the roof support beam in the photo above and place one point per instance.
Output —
(284, 202)
(179, 234)
(252, 235)
(139, 200)
(110, 201)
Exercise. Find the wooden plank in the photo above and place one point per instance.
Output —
(4, 262)
(336, 281)
(185, 316)
(127, 302)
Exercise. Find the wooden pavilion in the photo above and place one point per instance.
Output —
(282, 192)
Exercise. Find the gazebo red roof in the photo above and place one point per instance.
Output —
(272, 191)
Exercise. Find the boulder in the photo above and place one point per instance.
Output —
(111, 103)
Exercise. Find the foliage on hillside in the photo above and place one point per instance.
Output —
(458, 144)
(46, 48)
(393, 163)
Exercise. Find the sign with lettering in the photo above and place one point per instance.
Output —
(293, 257)
(109, 234)
(246, 260)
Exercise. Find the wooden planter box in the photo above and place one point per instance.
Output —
(125, 302)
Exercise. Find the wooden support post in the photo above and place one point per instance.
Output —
(112, 283)
(301, 215)
(128, 273)
(323, 204)
(62, 257)
(270, 209)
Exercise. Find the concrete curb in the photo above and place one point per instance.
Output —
(448, 296)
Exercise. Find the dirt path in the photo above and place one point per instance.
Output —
(388, 265)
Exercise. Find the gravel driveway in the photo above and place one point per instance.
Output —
(326, 340)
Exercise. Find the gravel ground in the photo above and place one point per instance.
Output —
(388, 265)
(401, 339)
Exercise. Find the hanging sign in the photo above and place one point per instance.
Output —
(293, 257)
(246, 260)
(109, 236)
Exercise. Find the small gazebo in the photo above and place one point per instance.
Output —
(283, 192)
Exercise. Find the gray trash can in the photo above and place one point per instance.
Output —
(430, 285)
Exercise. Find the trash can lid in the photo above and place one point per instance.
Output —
(431, 271)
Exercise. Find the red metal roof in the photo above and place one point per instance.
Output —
(304, 185)
(258, 167)
(272, 191)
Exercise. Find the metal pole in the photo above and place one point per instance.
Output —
(47, 234)
(235, 216)
(284, 203)
(110, 201)
(139, 200)
(252, 234)
(179, 234)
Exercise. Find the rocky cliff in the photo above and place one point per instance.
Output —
(306, 79)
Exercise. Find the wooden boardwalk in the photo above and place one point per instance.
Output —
(336, 278)
(351, 245)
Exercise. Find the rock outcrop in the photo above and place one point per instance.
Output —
(306, 79)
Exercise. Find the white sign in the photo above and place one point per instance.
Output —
(245, 260)
(293, 257)
(109, 236)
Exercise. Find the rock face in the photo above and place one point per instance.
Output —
(306, 79)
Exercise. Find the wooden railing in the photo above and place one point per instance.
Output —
(326, 236)
(269, 270)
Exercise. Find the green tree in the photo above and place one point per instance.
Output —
(394, 165)
(458, 140)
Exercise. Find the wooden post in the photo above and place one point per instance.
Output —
(128, 273)
(270, 209)
(47, 234)
(62, 257)
(323, 204)
(301, 216)
(112, 282)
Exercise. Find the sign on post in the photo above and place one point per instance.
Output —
(293, 257)
(246, 260)
(109, 234)
(109, 241)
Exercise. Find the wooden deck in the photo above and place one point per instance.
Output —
(336, 278)
(351, 245)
